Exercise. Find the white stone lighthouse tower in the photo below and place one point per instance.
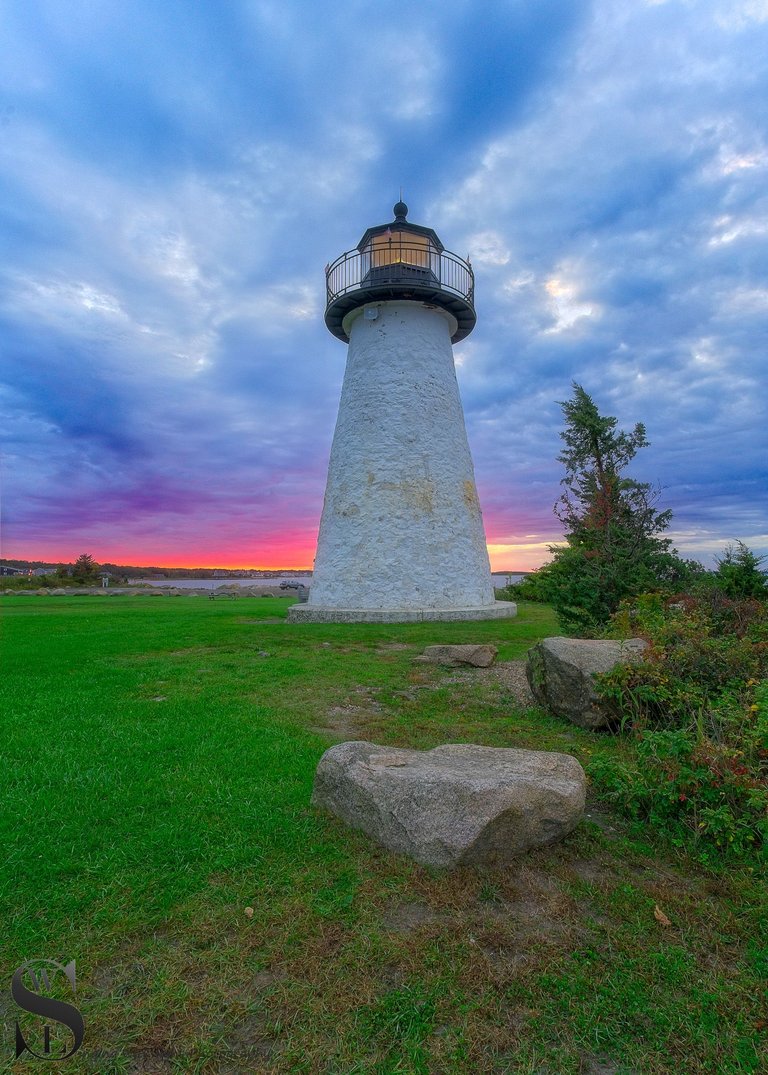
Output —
(401, 536)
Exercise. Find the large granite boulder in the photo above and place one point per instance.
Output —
(561, 674)
(477, 655)
(455, 805)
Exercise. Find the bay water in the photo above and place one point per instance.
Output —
(500, 578)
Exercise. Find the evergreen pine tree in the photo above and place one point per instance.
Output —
(613, 531)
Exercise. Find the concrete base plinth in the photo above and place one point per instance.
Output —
(307, 614)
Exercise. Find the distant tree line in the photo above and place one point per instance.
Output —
(86, 571)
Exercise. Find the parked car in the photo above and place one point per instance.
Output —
(291, 585)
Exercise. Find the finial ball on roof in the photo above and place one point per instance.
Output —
(400, 211)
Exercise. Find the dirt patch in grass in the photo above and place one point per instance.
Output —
(362, 709)
(348, 720)
(384, 649)
(342, 731)
(409, 915)
(265, 979)
(251, 1039)
(509, 676)
(343, 723)
(595, 1065)
(152, 1062)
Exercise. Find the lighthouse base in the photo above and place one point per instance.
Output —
(306, 614)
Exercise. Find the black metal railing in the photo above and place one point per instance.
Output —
(393, 262)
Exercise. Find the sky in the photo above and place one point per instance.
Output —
(175, 176)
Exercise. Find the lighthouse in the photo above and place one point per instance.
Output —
(401, 536)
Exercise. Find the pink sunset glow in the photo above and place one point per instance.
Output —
(227, 548)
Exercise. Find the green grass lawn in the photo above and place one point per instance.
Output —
(157, 765)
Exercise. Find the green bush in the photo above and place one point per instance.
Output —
(533, 587)
(696, 790)
(698, 707)
(36, 582)
(24, 582)
(739, 572)
(586, 588)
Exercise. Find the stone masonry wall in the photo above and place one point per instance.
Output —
(401, 524)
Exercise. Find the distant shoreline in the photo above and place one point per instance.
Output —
(209, 573)
(277, 583)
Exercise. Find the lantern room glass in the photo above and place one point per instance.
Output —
(400, 247)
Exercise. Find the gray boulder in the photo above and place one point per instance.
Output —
(479, 656)
(455, 805)
(561, 674)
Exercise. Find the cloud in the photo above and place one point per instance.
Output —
(175, 179)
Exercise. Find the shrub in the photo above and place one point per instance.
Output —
(739, 572)
(698, 707)
(695, 790)
(533, 587)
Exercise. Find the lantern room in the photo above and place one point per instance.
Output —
(400, 261)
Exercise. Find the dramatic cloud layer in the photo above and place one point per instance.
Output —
(175, 176)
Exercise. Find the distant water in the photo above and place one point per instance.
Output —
(505, 578)
(213, 584)
(500, 578)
